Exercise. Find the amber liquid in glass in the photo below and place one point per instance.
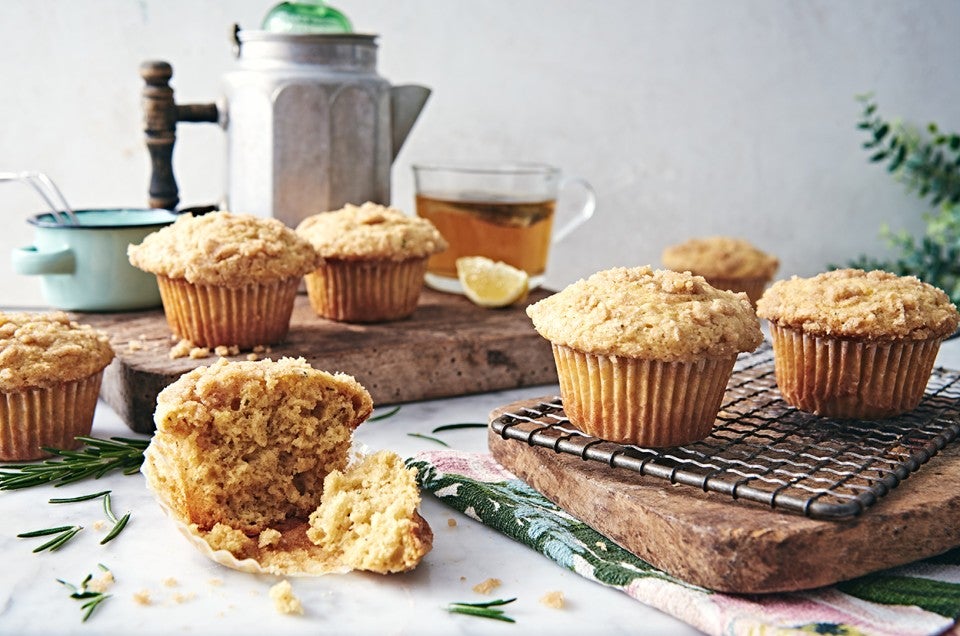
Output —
(512, 232)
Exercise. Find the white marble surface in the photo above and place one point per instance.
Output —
(215, 600)
(210, 599)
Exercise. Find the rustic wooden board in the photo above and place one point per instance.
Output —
(731, 546)
(448, 347)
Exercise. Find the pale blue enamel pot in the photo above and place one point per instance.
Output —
(84, 266)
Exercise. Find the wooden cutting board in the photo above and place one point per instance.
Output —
(732, 546)
(448, 347)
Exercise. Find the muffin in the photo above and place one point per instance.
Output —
(373, 262)
(247, 454)
(50, 372)
(855, 344)
(643, 356)
(226, 279)
(726, 263)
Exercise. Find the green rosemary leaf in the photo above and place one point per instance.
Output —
(92, 605)
(384, 416)
(499, 601)
(450, 427)
(80, 592)
(57, 542)
(108, 509)
(43, 533)
(117, 529)
(94, 495)
(432, 439)
(471, 609)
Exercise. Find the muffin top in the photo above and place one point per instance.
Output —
(371, 231)
(641, 313)
(720, 256)
(852, 303)
(222, 248)
(40, 350)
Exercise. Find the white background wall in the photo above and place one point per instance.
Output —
(690, 117)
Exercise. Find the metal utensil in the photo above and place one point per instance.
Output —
(48, 190)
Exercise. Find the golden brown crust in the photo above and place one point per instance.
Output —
(721, 257)
(225, 249)
(371, 231)
(642, 313)
(46, 349)
(852, 303)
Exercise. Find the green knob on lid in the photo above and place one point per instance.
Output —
(306, 17)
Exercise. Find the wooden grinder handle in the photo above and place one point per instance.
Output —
(160, 117)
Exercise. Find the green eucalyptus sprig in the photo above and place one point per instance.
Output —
(92, 598)
(489, 609)
(927, 163)
(97, 458)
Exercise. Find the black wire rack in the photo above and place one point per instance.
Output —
(766, 451)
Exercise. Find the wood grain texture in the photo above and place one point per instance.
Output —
(448, 347)
(726, 545)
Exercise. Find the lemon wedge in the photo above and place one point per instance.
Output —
(490, 283)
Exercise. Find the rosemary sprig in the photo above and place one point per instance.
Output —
(96, 459)
(64, 534)
(383, 416)
(432, 439)
(450, 427)
(483, 610)
(93, 495)
(81, 593)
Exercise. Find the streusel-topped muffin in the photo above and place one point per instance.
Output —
(856, 344)
(644, 356)
(240, 459)
(226, 279)
(50, 373)
(374, 259)
(726, 263)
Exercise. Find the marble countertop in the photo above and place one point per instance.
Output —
(164, 586)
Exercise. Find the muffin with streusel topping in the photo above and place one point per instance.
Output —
(644, 356)
(856, 344)
(373, 262)
(226, 279)
(726, 263)
(254, 461)
(50, 373)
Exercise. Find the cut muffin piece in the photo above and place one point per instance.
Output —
(369, 516)
(248, 444)
(246, 452)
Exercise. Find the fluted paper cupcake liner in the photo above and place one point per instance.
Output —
(752, 286)
(53, 417)
(210, 316)
(642, 402)
(859, 379)
(366, 291)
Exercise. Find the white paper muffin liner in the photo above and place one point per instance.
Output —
(643, 402)
(310, 561)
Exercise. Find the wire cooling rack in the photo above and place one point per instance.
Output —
(766, 451)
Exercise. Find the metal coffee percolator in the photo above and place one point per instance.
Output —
(310, 124)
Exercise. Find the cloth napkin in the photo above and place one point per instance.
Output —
(920, 598)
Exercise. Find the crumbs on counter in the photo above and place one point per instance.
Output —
(180, 599)
(284, 600)
(601, 545)
(102, 583)
(224, 351)
(185, 348)
(451, 523)
(142, 597)
(553, 599)
(99, 524)
(170, 582)
(487, 586)
(215, 582)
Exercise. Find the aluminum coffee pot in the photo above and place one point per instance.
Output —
(310, 124)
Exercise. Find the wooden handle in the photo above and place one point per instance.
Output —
(160, 116)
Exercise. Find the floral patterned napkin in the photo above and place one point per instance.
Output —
(920, 598)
